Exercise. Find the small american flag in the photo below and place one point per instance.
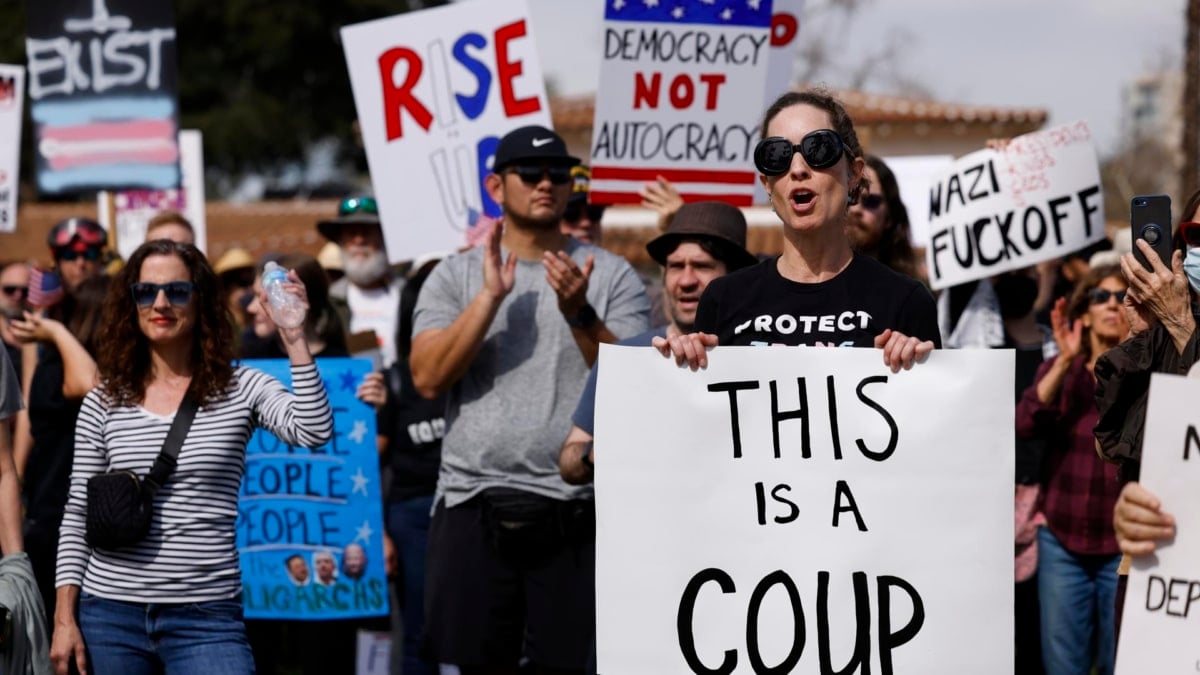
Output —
(45, 289)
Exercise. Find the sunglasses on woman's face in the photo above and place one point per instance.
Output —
(870, 201)
(820, 149)
(1100, 296)
(1190, 231)
(575, 212)
(531, 174)
(179, 293)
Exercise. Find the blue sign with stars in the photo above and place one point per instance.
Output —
(310, 520)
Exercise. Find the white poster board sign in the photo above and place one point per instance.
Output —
(12, 101)
(435, 90)
(1038, 199)
(681, 87)
(787, 507)
(1158, 630)
(132, 210)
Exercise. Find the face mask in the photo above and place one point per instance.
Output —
(1191, 267)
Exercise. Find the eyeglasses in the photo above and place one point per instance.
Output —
(353, 205)
(871, 201)
(1100, 296)
(90, 253)
(1190, 231)
(575, 212)
(820, 149)
(179, 293)
(531, 174)
(15, 290)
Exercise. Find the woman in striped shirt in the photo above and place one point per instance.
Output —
(172, 601)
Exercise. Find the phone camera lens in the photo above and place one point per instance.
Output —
(1139, 202)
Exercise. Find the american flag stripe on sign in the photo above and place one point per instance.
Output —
(681, 90)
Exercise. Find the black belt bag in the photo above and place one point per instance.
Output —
(120, 505)
(526, 526)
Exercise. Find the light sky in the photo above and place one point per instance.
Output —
(1070, 57)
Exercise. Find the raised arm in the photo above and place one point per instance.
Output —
(441, 356)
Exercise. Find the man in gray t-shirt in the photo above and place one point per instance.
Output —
(508, 331)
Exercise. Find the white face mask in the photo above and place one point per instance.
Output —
(1191, 267)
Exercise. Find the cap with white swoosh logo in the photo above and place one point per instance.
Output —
(532, 143)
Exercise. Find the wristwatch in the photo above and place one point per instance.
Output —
(584, 319)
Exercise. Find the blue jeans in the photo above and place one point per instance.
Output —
(408, 526)
(1077, 594)
(130, 638)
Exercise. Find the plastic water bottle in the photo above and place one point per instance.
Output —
(286, 309)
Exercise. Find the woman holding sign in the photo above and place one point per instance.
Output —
(818, 292)
(173, 599)
(1077, 553)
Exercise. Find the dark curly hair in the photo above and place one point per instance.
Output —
(123, 355)
(895, 250)
(820, 99)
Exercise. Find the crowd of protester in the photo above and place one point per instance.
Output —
(484, 388)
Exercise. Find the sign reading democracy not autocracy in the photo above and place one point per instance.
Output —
(681, 87)
(435, 90)
(994, 211)
(12, 99)
(102, 94)
(310, 520)
(1158, 628)
(804, 510)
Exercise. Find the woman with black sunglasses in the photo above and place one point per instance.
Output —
(173, 600)
(818, 292)
(1077, 553)
(878, 225)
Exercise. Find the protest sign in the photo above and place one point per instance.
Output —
(995, 211)
(781, 62)
(102, 94)
(310, 520)
(12, 99)
(1157, 628)
(127, 213)
(435, 90)
(681, 88)
(804, 510)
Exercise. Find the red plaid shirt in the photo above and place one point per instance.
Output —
(1079, 488)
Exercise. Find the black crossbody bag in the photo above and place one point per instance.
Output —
(120, 505)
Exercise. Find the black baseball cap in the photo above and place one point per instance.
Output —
(531, 143)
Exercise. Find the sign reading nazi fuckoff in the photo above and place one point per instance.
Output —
(994, 211)
(804, 510)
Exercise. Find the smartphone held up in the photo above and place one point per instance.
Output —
(1150, 220)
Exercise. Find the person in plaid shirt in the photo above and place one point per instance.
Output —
(1077, 550)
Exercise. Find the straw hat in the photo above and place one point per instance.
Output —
(330, 257)
(234, 259)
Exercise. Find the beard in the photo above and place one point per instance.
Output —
(365, 271)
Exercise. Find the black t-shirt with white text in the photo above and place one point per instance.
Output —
(758, 306)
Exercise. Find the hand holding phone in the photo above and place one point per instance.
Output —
(1150, 220)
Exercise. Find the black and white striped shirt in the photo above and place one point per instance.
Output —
(190, 554)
